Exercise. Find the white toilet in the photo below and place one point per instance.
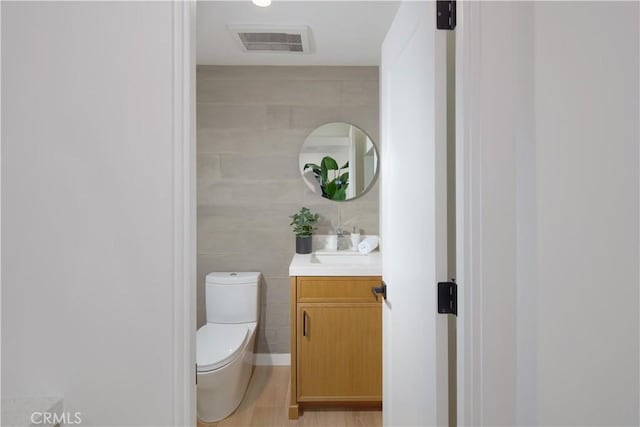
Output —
(224, 345)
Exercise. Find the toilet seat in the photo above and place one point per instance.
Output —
(218, 344)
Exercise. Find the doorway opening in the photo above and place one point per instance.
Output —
(265, 79)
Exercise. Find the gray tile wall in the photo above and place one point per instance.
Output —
(251, 123)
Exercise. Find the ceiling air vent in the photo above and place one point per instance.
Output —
(258, 38)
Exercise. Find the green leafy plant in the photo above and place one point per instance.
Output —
(303, 222)
(336, 187)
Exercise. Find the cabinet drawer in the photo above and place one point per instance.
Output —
(337, 289)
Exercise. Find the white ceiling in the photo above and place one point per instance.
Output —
(342, 32)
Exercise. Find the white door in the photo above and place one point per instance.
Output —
(413, 212)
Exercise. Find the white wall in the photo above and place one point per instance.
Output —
(586, 109)
(552, 138)
(87, 208)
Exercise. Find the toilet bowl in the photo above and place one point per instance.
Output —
(224, 345)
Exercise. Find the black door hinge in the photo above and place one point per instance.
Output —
(446, 15)
(448, 297)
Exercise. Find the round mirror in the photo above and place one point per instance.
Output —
(339, 161)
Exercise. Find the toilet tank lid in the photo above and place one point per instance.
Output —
(232, 278)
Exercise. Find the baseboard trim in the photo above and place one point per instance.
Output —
(272, 359)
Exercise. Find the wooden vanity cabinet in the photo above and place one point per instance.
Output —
(336, 341)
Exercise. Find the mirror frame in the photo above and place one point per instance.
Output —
(377, 165)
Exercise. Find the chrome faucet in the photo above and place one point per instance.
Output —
(343, 244)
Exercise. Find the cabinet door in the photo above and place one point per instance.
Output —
(339, 352)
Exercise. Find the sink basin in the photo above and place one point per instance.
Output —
(340, 258)
(326, 261)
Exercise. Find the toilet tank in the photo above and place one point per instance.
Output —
(232, 297)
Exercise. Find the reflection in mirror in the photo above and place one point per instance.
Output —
(338, 161)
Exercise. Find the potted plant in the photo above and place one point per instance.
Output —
(303, 226)
(335, 188)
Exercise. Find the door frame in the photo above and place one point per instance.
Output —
(468, 215)
(184, 213)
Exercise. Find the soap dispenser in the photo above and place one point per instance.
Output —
(355, 238)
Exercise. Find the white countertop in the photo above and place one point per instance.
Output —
(347, 264)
